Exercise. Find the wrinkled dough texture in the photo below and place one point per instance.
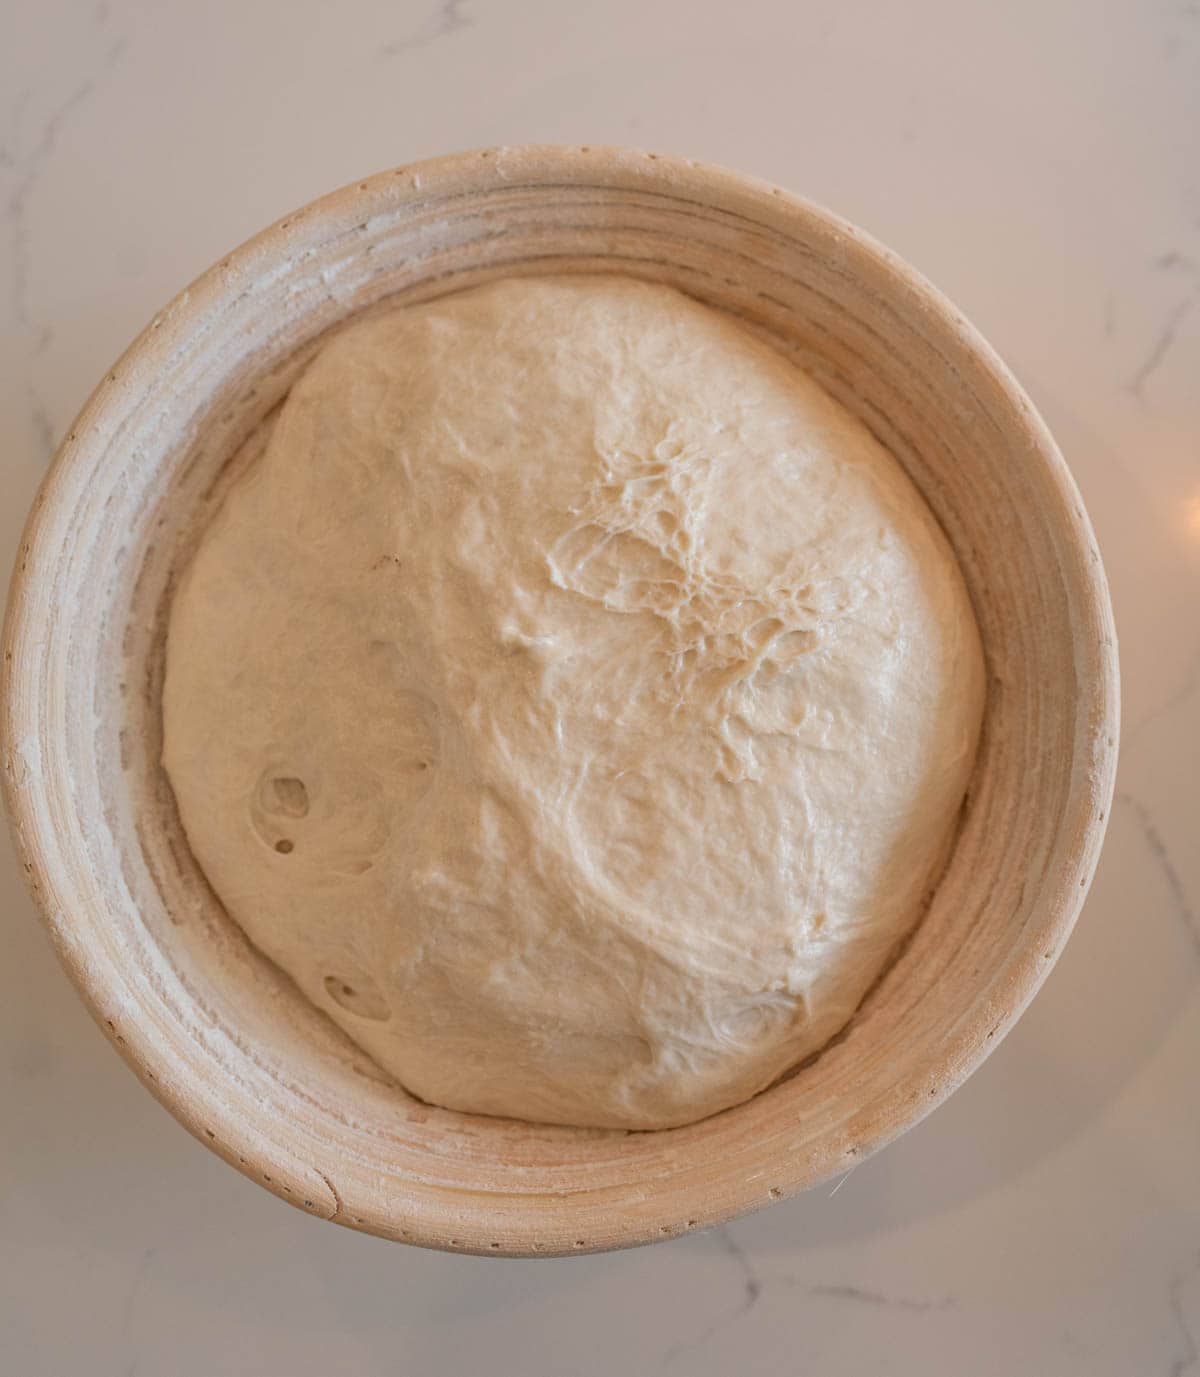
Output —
(574, 699)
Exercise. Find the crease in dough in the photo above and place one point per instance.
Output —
(574, 699)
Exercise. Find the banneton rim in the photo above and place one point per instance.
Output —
(219, 1035)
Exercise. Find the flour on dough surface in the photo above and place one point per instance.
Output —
(574, 699)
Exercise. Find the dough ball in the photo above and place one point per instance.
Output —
(574, 700)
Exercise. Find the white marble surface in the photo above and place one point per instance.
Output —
(1040, 161)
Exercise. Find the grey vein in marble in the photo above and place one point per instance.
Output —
(8, 154)
(32, 165)
(1190, 1358)
(862, 1296)
(1173, 259)
(1158, 849)
(1162, 345)
(1188, 685)
(18, 202)
(751, 1282)
(1170, 261)
(43, 426)
(448, 18)
(752, 1287)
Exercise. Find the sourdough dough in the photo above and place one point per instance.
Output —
(574, 699)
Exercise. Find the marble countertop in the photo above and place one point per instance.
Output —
(1040, 161)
